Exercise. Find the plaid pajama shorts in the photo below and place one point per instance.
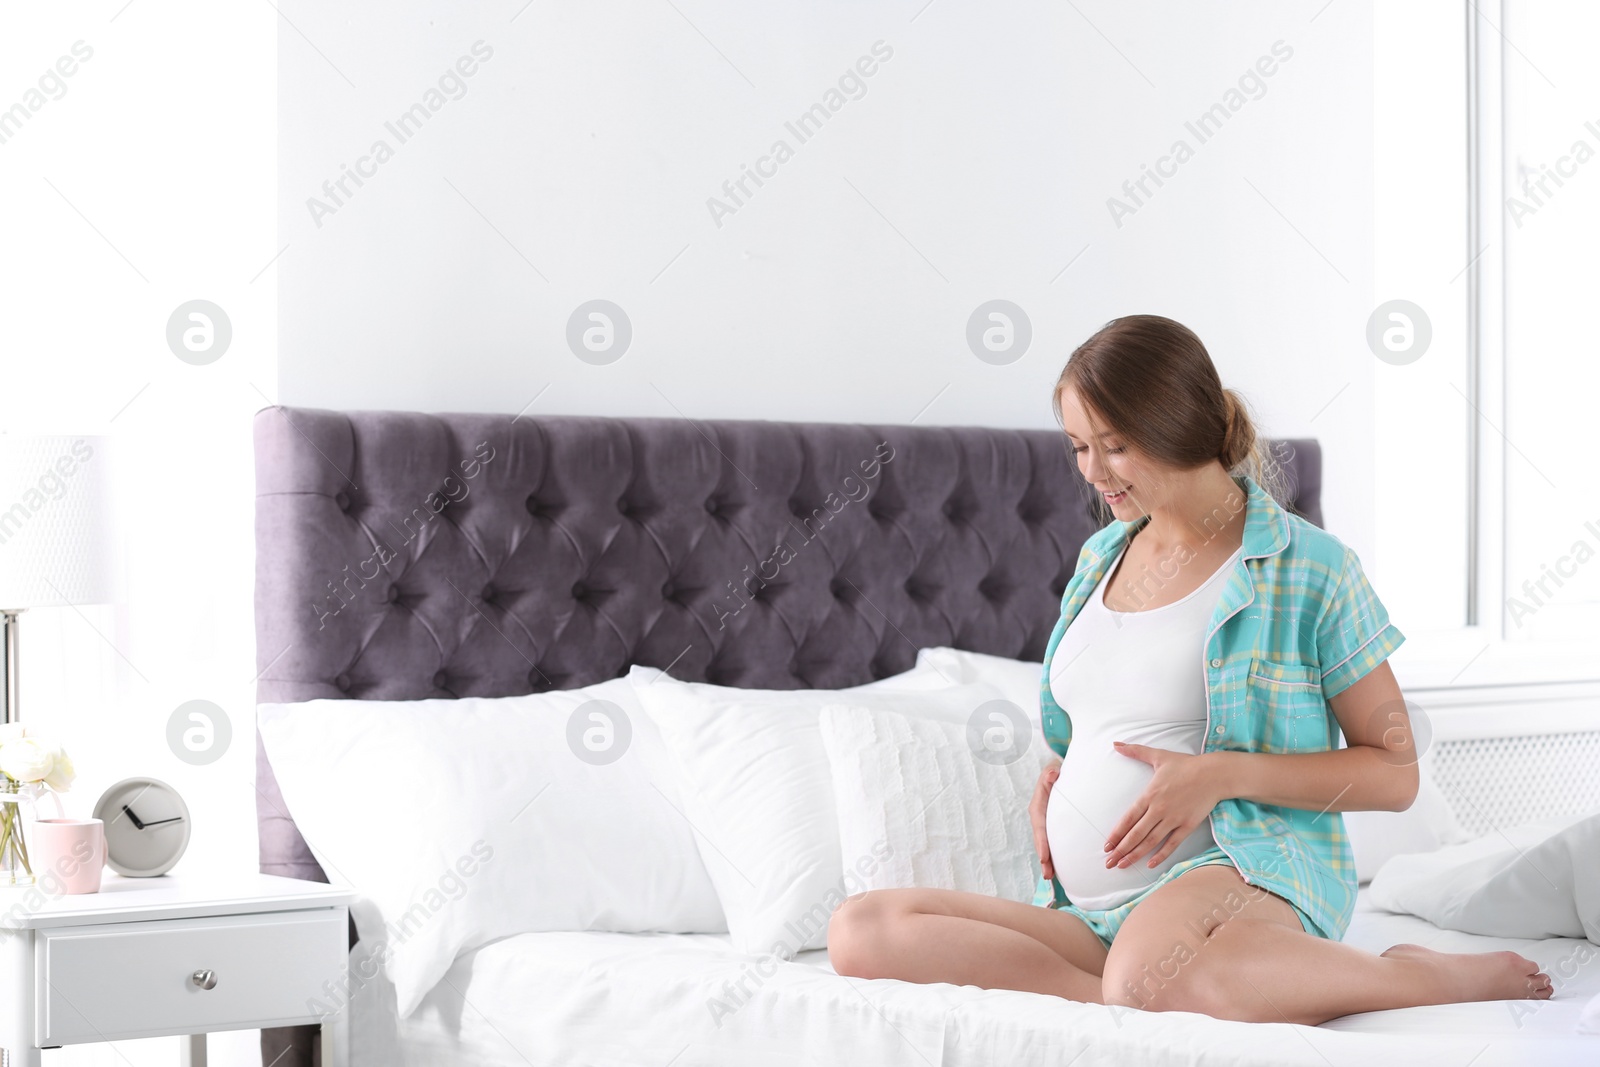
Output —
(1106, 922)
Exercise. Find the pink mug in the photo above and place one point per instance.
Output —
(70, 853)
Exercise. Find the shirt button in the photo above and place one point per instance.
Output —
(1218, 729)
(1216, 663)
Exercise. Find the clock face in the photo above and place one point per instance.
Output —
(147, 826)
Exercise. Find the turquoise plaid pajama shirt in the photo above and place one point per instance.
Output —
(1297, 622)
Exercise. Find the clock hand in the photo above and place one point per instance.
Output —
(132, 817)
(158, 822)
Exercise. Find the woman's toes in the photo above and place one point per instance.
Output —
(1525, 980)
(1535, 983)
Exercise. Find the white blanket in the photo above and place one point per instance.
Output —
(642, 1000)
(1533, 881)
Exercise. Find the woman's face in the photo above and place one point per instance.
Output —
(1109, 464)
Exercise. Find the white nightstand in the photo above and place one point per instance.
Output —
(151, 957)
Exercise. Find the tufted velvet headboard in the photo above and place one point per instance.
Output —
(402, 555)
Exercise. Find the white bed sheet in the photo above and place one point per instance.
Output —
(646, 1000)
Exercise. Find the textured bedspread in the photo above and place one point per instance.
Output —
(688, 1000)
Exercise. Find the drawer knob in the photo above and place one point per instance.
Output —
(204, 979)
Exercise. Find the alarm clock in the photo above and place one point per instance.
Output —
(147, 826)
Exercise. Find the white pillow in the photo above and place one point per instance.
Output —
(758, 791)
(1017, 679)
(941, 805)
(1428, 824)
(461, 821)
(1536, 880)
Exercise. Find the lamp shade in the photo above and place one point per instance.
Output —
(54, 534)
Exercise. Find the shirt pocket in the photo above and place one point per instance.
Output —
(1287, 709)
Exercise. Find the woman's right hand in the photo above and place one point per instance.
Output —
(1036, 814)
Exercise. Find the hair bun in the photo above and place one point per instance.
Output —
(1237, 435)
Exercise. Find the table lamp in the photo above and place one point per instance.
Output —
(53, 533)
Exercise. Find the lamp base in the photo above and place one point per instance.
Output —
(10, 710)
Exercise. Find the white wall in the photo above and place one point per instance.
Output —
(1421, 256)
(977, 165)
(142, 181)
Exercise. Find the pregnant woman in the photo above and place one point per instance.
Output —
(1210, 647)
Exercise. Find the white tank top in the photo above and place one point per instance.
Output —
(1134, 676)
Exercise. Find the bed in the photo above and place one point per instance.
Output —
(607, 542)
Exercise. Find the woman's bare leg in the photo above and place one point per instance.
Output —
(1209, 942)
(943, 935)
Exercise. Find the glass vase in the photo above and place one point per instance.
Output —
(16, 808)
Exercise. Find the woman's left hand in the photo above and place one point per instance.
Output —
(1179, 797)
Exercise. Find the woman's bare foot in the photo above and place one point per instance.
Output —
(1458, 977)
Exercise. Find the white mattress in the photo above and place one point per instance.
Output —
(647, 999)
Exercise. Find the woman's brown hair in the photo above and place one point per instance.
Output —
(1154, 385)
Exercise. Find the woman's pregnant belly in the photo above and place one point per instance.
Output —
(1096, 787)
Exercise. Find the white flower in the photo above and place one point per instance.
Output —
(61, 775)
(33, 759)
(28, 759)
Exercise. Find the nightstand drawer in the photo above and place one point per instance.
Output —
(103, 983)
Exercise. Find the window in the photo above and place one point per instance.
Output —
(1487, 174)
